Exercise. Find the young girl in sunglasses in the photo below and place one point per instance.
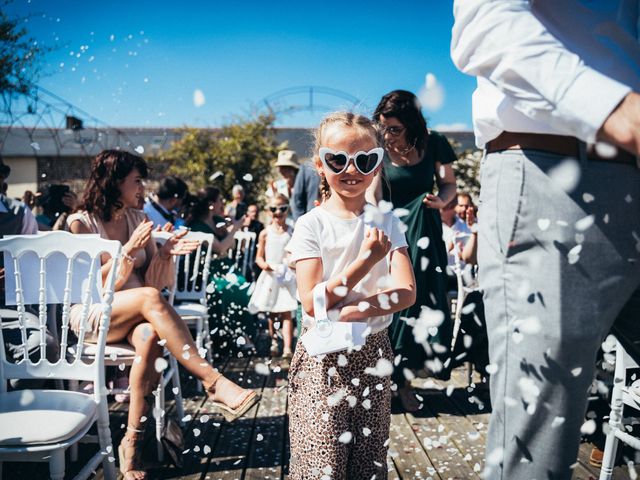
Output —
(274, 292)
(340, 402)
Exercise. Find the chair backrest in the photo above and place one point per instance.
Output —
(57, 268)
(192, 271)
(244, 251)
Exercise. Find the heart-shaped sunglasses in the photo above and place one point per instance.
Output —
(337, 162)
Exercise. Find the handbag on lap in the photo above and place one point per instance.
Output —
(328, 336)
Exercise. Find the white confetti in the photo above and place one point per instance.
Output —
(557, 421)
(585, 223)
(206, 449)
(366, 431)
(383, 368)
(424, 263)
(342, 360)
(628, 198)
(247, 177)
(341, 291)
(198, 98)
(528, 326)
(345, 437)
(491, 368)
(259, 437)
(363, 306)
(35, 146)
(566, 175)
(606, 150)
(529, 392)
(160, 364)
(423, 243)
(587, 197)
(576, 371)
(574, 255)
(262, 369)
(588, 427)
(196, 432)
(544, 223)
(139, 149)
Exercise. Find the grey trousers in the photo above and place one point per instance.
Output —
(556, 269)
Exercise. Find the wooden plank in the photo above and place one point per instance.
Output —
(229, 455)
(407, 453)
(266, 454)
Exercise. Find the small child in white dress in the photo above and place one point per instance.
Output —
(275, 290)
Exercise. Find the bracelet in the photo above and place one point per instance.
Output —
(126, 256)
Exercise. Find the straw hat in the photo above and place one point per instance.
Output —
(287, 158)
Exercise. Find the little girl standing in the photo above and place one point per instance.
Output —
(274, 292)
(340, 403)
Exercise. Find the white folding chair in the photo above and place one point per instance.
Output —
(621, 395)
(39, 425)
(244, 251)
(467, 283)
(189, 296)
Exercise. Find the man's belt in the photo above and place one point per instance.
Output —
(556, 144)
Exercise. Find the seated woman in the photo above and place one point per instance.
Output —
(229, 320)
(141, 315)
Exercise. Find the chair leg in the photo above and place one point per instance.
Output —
(208, 342)
(615, 418)
(175, 382)
(56, 465)
(104, 437)
(74, 386)
(159, 414)
(199, 345)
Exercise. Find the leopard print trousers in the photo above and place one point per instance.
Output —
(339, 415)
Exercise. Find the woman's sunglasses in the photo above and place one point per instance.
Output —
(280, 209)
(337, 162)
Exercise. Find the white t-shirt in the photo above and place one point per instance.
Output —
(458, 232)
(337, 241)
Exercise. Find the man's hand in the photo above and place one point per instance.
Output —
(622, 127)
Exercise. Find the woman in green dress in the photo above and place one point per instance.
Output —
(415, 158)
(230, 323)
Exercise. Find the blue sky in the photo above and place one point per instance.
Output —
(138, 63)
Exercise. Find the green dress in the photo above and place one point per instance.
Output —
(408, 186)
(227, 299)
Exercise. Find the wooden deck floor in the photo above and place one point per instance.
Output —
(444, 440)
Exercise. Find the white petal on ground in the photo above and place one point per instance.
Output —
(198, 98)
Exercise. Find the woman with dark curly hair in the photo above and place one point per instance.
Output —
(140, 315)
(416, 156)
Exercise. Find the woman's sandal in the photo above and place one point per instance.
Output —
(247, 399)
(132, 469)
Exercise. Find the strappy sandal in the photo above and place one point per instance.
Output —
(244, 401)
(132, 469)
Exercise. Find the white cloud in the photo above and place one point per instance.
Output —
(431, 95)
(452, 127)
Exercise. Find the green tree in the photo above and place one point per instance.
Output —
(19, 55)
(467, 171)
(246, 146)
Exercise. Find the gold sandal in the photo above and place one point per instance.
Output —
(133, 469)
(244, 401)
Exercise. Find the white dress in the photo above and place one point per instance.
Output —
(275, 290)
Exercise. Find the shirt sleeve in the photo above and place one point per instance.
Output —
(503, 42)
(29, 223)
(397, 237)
(304, 241)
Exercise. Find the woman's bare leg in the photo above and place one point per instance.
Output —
(134, 306)
(143, 377)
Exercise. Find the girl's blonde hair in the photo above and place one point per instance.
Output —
(279, 196)
(364, 124)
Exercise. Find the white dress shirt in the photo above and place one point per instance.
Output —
(558, 67)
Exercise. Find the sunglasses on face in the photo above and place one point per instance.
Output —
(394, 131)
(365, 162)
(280, 209)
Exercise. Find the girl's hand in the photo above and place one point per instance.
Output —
(471, 217)
(267, 268)
(177, 245)
(375, 247)
(433, 201)
(139, 238)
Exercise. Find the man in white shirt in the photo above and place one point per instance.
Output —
(559, 244)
